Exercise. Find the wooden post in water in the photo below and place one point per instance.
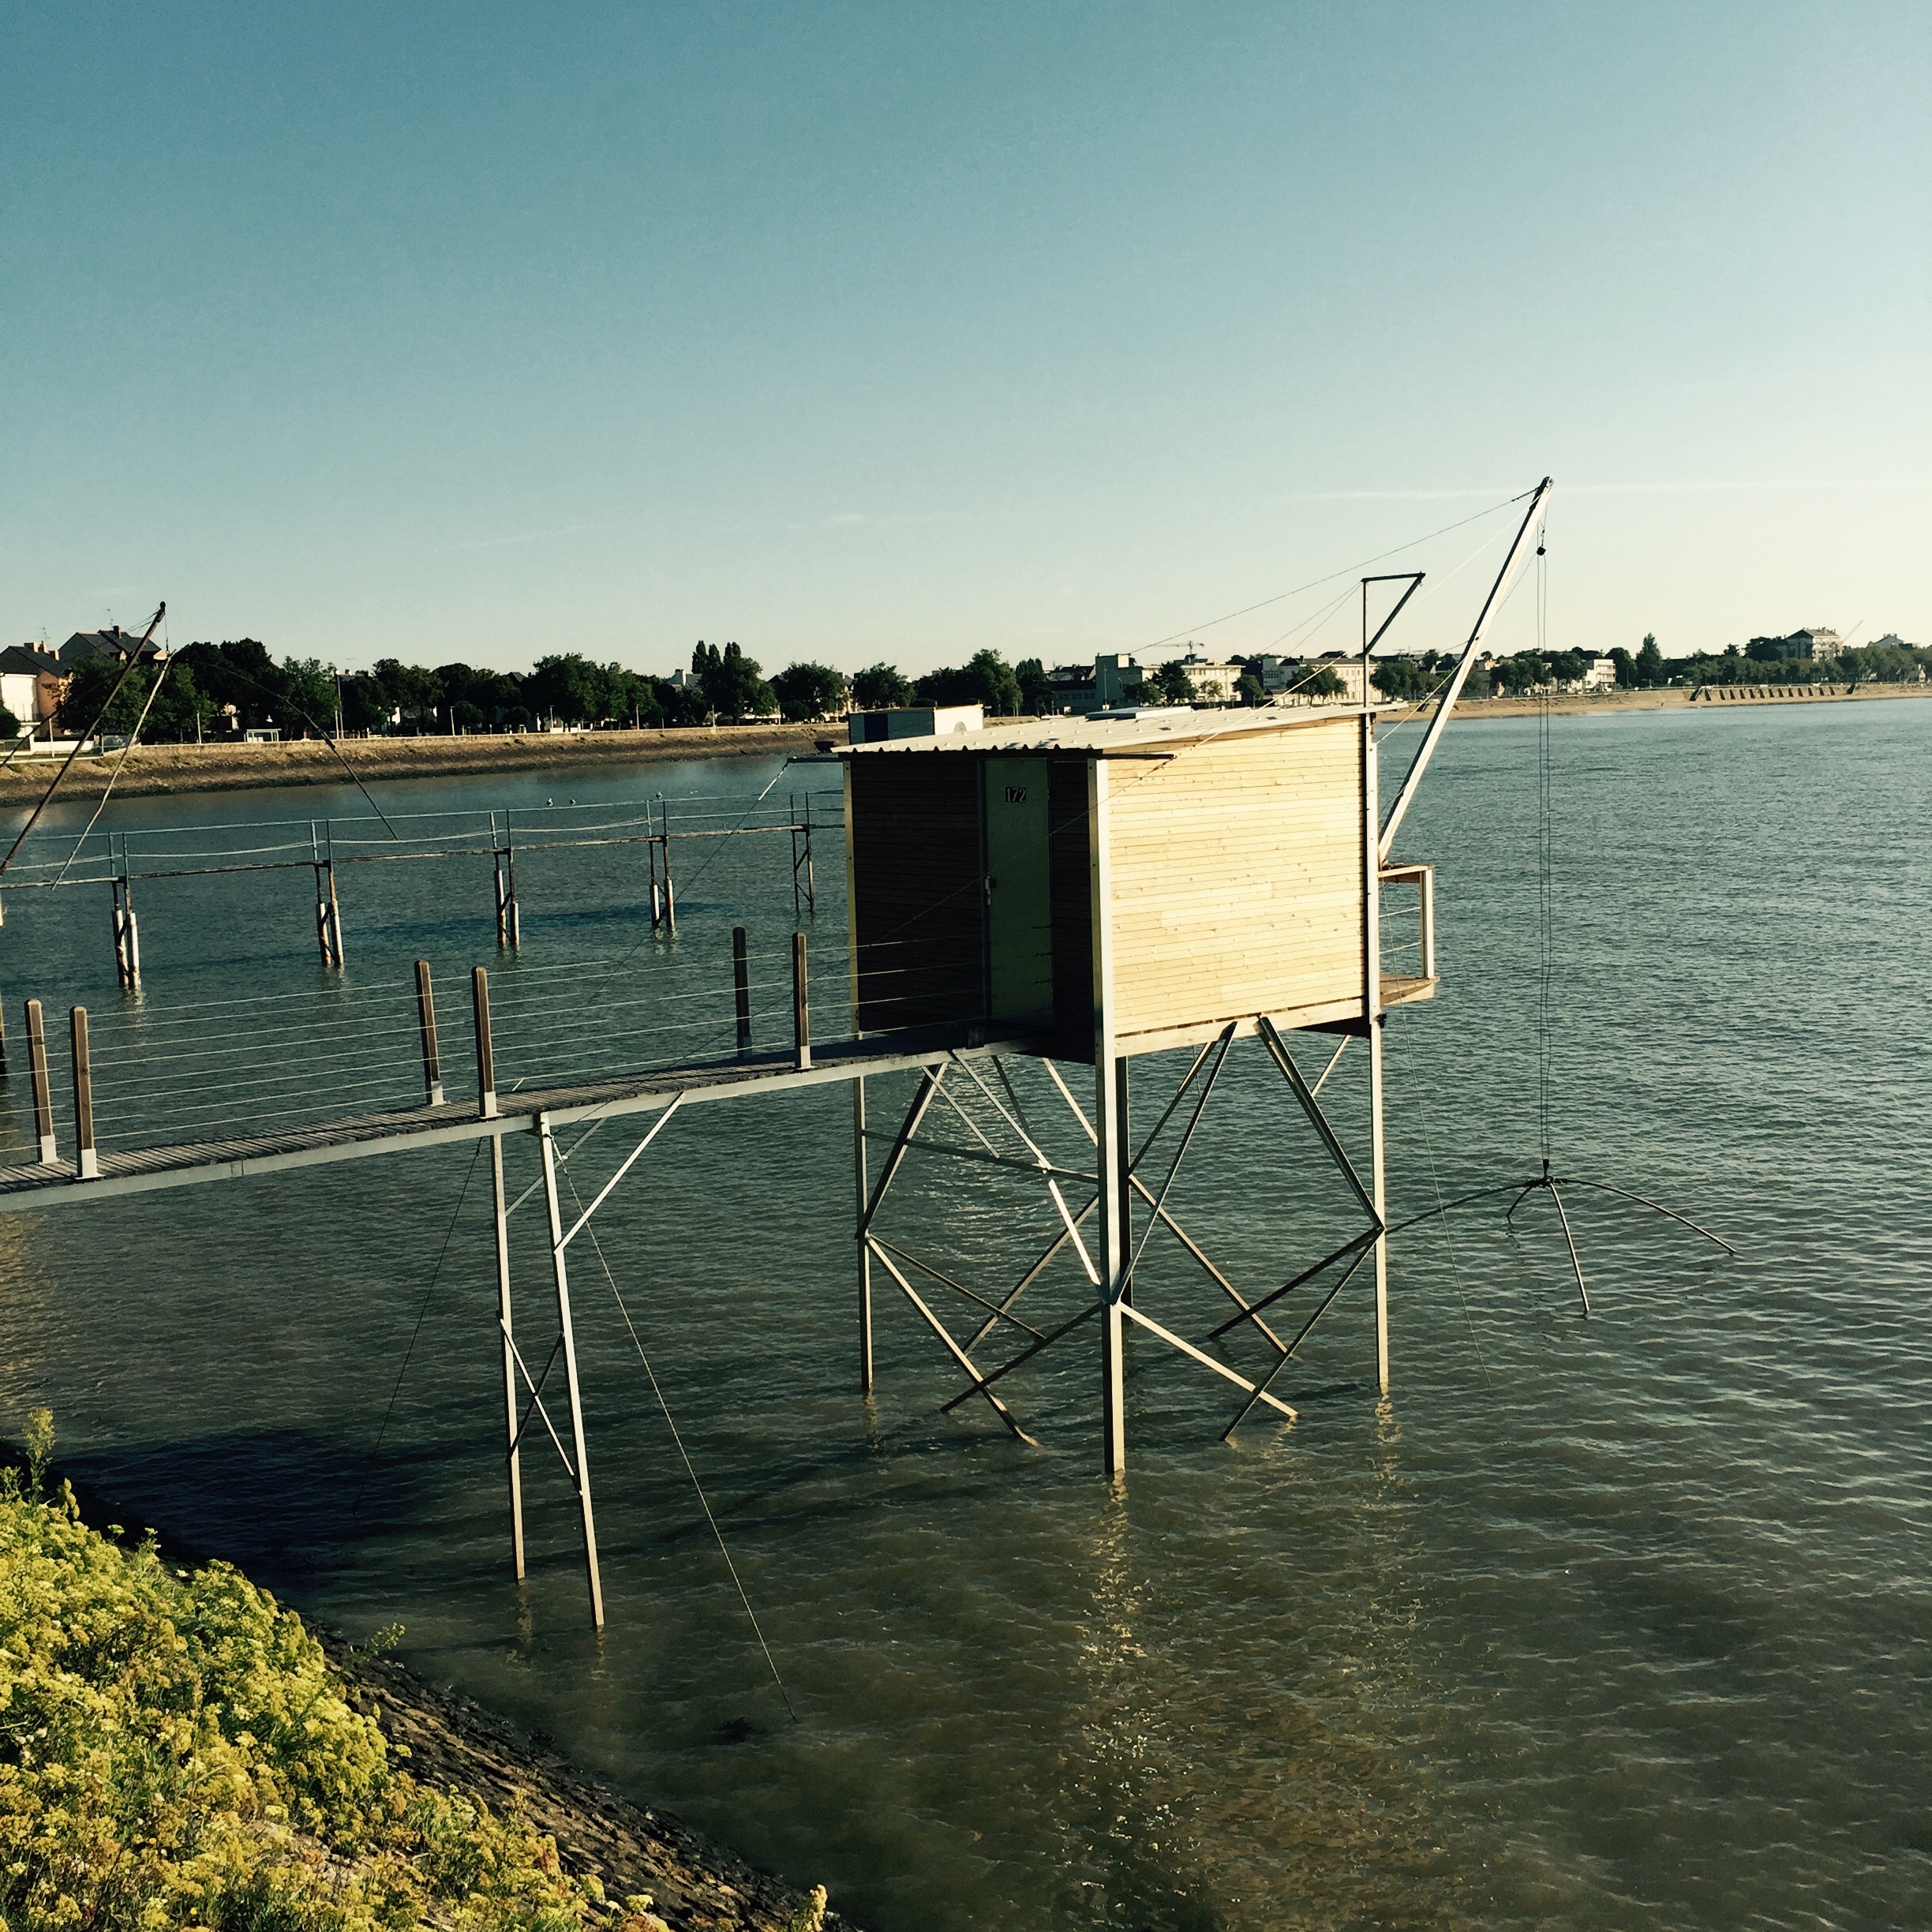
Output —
(130, 922)
(84, 1095)
(315, 860)
(801, 1005)
(670, 902)
(486, 1050)
(507, 1344)
(509, 926)
(741, 986)
(425, 1018)
(42, 1086)
(792, 800)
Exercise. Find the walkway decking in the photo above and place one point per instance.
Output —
(56, 1183)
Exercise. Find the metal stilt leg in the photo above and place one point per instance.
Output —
(580, 1471)
(505, 1337)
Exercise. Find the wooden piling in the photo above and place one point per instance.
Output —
(42, 1086)
(741, 985)
(485, 1052)
(338, 952)
(425, 1016)
(801, 1005)
(82, 1094)
(670, 891)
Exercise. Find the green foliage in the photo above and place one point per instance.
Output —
(308, 698)
(1533, 670)
(880, 688)
(1399, 677)
(175, 1751)
(1249, 690)
(1172, 681)
(1649, 665)
(985, 679)
(1321, 683)
(1885, 663)
(1036, 691)
(731, 683)
(568, 686)
(809, 691)
(9, 724)
(1626, 668)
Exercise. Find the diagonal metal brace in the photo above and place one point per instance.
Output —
(1317, 1119)
(1205, 1360)
(1362, 1240)
(951, 1347)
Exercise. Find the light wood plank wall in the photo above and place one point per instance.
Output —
(1237, 871)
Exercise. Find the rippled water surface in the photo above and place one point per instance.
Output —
(1621, 1622)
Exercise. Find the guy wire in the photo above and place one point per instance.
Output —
(421, 1315)
(684, 1455)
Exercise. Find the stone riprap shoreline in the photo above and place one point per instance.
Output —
(695, 1885)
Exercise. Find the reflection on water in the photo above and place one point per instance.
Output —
(1615, 1624)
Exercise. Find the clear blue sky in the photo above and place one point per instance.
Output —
(853, 332)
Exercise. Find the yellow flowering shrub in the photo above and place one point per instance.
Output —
(175, 1752)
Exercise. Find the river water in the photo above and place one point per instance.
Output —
(1621, 1622)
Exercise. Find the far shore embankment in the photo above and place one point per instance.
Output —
(151, 770)
(154, 770)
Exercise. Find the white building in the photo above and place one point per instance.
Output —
(1599, 674)
(915, 721)
(1213, 680)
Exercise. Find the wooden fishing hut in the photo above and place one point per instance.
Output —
(1110, 888)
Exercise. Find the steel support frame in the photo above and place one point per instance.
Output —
(1110, 1268)
(575, 1457)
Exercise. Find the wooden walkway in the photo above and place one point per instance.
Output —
(57, 1184)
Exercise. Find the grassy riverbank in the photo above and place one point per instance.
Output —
(177, 1750)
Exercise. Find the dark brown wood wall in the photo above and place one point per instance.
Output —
(918, 889)
(1071, 857)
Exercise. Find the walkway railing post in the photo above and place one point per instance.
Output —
(486, 1054)
(567, 1342)
(505, 1338)
(42, 1086)
(82, 1094)
(741, 985)
(425, 1016)
(801, 1005)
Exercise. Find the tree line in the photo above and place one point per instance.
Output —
(205, 688)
